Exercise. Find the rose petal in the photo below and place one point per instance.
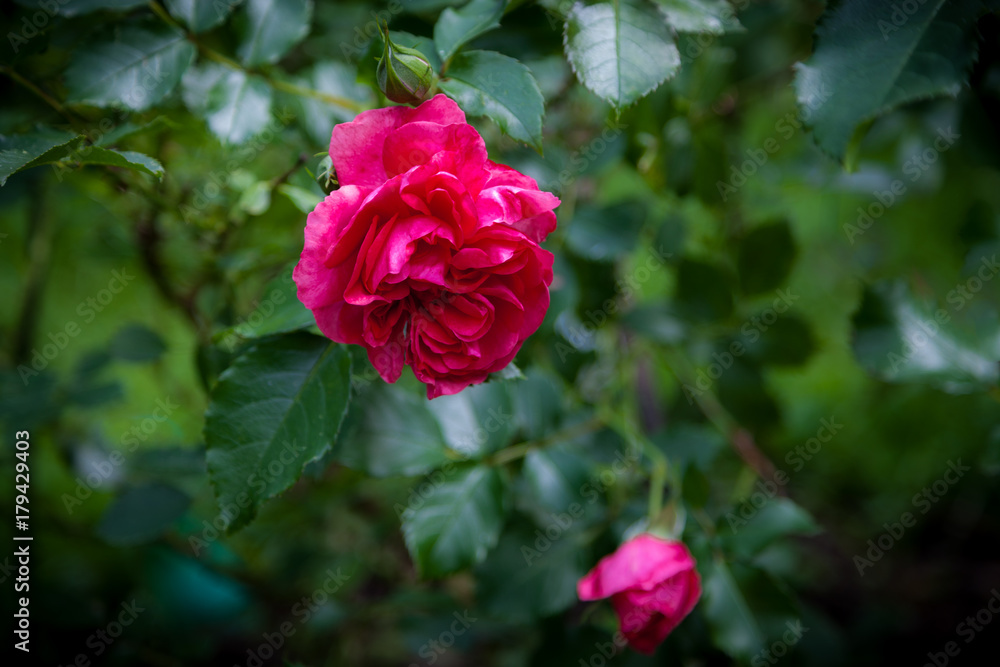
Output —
(641, 563)
(356, 147)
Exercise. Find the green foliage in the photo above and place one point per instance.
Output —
(713, 17)
(142, 514)
(200, 15)
(456, 27)
(486, 83)
(457, 525)
(621, 50)
(391, 432)
(23, 151)
(271, 28)
(135, 67)
(900, 339)
(236, 105)
(746, 347)
(924, 53)
(277, 407)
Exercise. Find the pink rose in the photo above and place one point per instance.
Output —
(428, 253)
(652, 584)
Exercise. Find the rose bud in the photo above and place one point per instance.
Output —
(653, 585)
(404, 74)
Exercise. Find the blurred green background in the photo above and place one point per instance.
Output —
(667, 208)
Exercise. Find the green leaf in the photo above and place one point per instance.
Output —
(15, 150)
(477, 420)
(332, 78)
(521, 582)
(278, 406)
(428, 6)
(22, 151)
(733, 626)
(303, 199)
(457, 27)
(137, 343)
(656, 322)
(458, 523)
(704, 291)
(871, 57)
(789, 341)
(390, 431)
(604, 234)
(554, 476)
(743, 391)
(714, 17)
(115, 158)
(272, 28)
(900, 339)
(236, 105)
(620, 49)
(278, 310)
(81, 7)
(780, 517)
(201, 15)
(135, 69)
(537, 404)
(142, 514)
(765, 258)
(486, 83)
(128, 128)
(509, 372)
(688, 444)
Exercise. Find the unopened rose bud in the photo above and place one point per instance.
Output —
(404, 74)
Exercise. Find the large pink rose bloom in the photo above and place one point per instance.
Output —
(428, 253)
(652, 584)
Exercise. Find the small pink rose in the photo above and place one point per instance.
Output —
(652, 584)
